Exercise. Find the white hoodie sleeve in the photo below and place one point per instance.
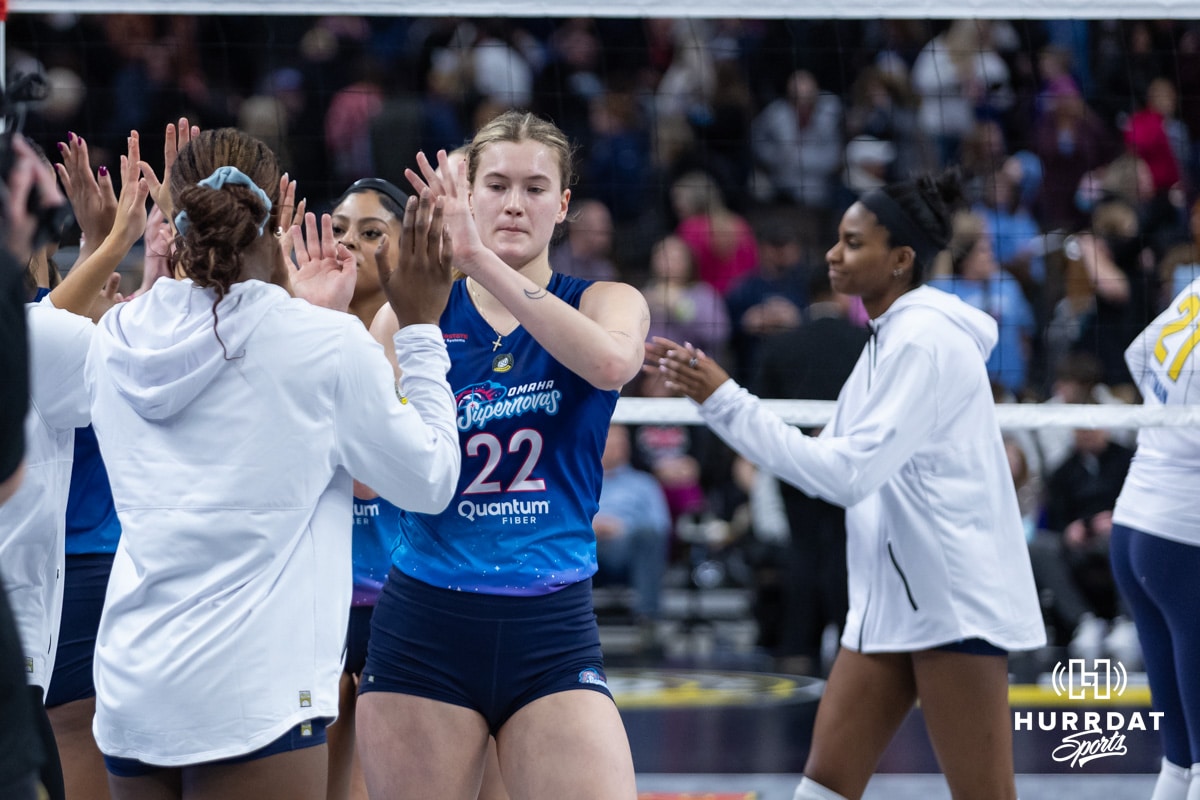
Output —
(58, 348)
(405, 449)
(843, 468)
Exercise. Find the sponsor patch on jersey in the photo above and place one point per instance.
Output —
(502, 363)
(306, 699)
(454, 338)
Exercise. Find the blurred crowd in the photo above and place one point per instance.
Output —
(716, 157)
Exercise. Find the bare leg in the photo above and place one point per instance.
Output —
(865, 700)
(965, 701)
(345, 771)
(84, 774)
(492, 787)
(420, 749)
(569, 744)
(295, 775)
(165, 784)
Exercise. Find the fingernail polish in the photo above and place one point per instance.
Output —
(70, 136)
(103, 171)
(62, 146)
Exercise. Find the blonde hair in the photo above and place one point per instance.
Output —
(522, 126)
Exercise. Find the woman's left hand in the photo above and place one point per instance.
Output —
(687, 369)
(326, 271)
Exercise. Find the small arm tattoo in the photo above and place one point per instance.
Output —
(537, 294)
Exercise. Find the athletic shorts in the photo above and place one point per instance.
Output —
(492, 653)
(306, 734)
(84, 584)
(357, 634)
(973, 647)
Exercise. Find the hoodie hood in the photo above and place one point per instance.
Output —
(160, 350)
(980, 326)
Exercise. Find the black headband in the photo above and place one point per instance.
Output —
(902, 231)
(386, 188)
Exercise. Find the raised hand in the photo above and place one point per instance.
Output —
(130, 217)
(290, 213)
(687, 369)
(90, 194)
(326, 270)
(448, 183)
(156, 261)
(22, 226)
(417, 278)
(109, 296)
(177, 135)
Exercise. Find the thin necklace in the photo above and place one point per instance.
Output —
(479, 307)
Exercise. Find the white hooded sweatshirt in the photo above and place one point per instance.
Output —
(935, 548)
(33, 523)
(231, 463)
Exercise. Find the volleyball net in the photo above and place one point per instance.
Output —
(654, 93)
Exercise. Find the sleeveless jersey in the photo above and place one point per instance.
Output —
(375, 526)
(92, 524)
(532, 433)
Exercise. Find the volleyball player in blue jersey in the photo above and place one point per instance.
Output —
(369, 210)
(485, 624)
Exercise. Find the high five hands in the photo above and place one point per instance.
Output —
(686, 368)
(416, 274)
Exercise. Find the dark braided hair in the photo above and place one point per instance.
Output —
(222, 222)
(930, 201)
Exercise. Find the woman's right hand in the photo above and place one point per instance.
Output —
(175, 138)
(92, 198)
(449, 185)
(417, 277)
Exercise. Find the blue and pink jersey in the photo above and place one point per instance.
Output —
(532, 434)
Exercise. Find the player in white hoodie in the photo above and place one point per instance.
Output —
(231, 416)
(939, 576)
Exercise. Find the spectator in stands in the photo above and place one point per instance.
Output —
(884, 106)
(721, 241)
(771, 299)
(586, 251)
(681, 305)
(1181, 264)
(811, 363)
(1071, 556)
(797, 142)
(960, 77)
(970, 271)
(632, 528)
(1070, 139)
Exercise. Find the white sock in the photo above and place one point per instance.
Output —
(811, 790)
(1173, 783)
(1193, 791)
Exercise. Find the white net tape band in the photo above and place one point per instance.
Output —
(701, 9)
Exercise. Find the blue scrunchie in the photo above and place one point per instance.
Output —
(220, 177)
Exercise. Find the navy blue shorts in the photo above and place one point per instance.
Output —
(495, 654)
(357, 634)
(306, 734)
(84, 584)
(973, 647)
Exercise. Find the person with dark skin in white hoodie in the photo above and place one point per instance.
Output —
(940, 584)
(231, 417)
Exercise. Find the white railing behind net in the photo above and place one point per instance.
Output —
(670, 411)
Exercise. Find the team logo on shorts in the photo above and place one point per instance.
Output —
(502, 363)
(593, 677)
